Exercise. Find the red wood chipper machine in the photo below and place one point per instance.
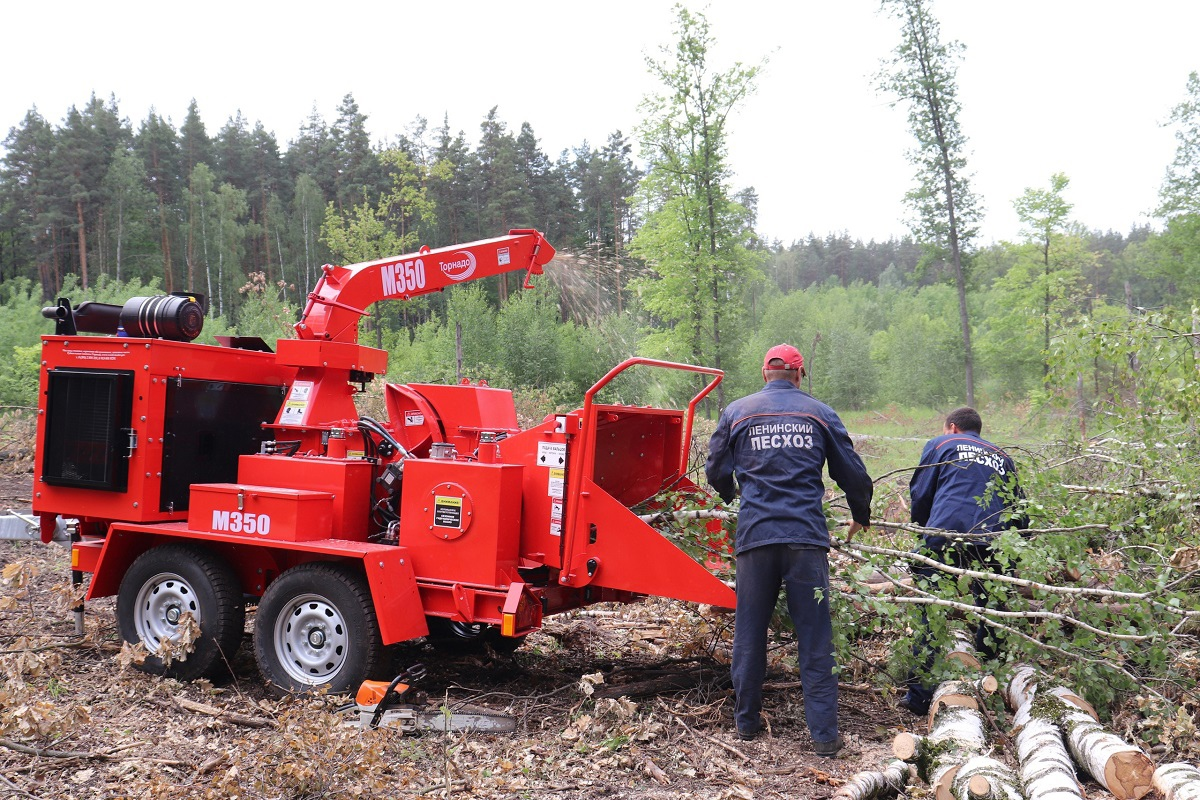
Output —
(207, 479)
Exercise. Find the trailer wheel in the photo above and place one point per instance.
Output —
(162, 585)
(316, 627)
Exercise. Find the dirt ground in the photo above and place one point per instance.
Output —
(80, 722)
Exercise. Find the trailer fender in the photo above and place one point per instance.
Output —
(397, 598)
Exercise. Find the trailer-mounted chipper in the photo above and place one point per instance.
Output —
(209, 478)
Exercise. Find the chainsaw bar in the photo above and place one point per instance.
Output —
(410, 719)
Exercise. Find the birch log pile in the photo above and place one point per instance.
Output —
(1177, 781)
(875, 785)
(1121, 768)
(957, 735)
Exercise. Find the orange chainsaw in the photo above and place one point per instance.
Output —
(380, 704)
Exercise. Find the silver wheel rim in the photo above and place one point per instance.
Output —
(311, 639)
(161, 604)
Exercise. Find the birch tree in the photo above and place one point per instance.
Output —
(922, 75)
(695, 236)
(1178, 249)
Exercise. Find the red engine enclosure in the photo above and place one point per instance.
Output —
(496, 525)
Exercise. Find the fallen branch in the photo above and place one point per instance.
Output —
(224, 715)
(17, 790)
(727, 747)
(928, 600)
(111, 755)
(433, 787)
(1081, 591)
(666, 683)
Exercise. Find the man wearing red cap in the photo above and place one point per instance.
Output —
(773, 446)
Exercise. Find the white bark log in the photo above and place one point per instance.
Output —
(1069, 697)
(985, 778)
(1119, 767)
(952, 693)
(964, 693)
(957, 735)
(871, 785)
(1178, 781)
(1021, 686)
(963, 650)
(1046, 768)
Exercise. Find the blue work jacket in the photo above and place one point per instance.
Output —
(776, 443)
(949, 489)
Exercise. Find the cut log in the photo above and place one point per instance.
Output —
(964, 693)
(1177, 781)
(956, 736)
(875, 785)
(985, 778)
(1023, 684)
(963, 650)
(1119, 767)
(1046, 768)
(908, 746)
(1069, 697)
(951, 693)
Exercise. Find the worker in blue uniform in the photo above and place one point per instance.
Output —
(968, 486)
(773, 446)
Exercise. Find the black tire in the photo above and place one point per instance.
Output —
(462, 638)
(166, 581)
(316, 628)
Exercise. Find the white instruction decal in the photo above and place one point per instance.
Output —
(502, 257)
(413, 418)
(552, 454)
(296, 407)
(556, 515)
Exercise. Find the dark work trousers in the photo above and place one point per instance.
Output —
(802, 571)
(974, 555)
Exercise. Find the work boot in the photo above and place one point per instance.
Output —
(750, 734)
(913, 706)
(829, 749)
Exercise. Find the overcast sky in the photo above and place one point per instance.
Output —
(1075, 86)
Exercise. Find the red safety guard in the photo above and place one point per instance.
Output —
(604, 543)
